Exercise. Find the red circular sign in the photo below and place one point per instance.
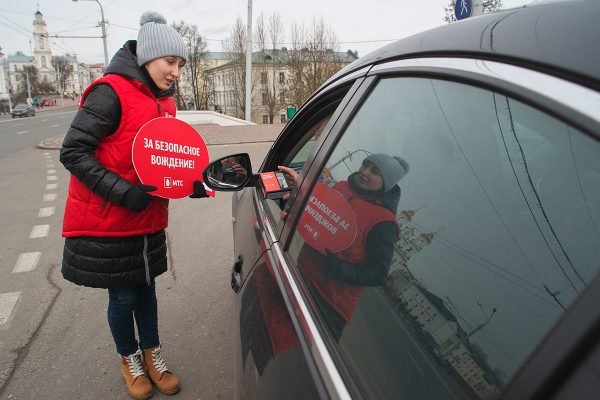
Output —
(169, 154)
(327, 221)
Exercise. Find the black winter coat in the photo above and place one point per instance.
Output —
(108, 262)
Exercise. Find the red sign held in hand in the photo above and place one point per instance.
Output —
(327, 221)
(169, 154)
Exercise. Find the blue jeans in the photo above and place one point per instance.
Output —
(125, 304)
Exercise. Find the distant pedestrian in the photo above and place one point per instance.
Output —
(113, 226)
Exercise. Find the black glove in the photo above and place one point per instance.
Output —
(137, 197)
(331, 265)
(199, 191)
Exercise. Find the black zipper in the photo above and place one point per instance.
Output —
(146, 262)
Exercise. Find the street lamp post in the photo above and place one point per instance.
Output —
(103, 25)
(248, 104)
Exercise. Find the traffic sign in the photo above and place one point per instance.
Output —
(463, 9)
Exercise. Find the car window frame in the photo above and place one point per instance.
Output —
(545, 369)
(294, 136)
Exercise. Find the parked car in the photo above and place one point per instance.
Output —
(481, 140)
(23, 110)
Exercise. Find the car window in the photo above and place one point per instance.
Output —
(296, 156)
(450, 228)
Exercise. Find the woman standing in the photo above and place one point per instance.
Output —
(113, 227)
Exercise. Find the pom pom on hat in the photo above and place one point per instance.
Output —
(157, 39)
(391, 168)
(152, 16)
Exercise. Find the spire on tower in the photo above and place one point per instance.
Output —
(409, 214)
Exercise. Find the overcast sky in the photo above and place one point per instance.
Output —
(360, 25)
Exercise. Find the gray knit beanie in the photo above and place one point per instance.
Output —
(157, 39)
(392, 169)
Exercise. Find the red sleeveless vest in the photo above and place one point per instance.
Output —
(89, 214)
(341, 296)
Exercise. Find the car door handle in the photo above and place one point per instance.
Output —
(236, 275)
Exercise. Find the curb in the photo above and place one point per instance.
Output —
(55, 143)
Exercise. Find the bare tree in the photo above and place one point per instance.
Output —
(235, 76)
(488, 6)
(269, 36)
(190, 89)
(63, 69)
(313, 59)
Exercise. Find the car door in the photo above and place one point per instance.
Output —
(270, 357)
(491, 272)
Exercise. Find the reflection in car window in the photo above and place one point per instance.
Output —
(495, 231)
(297, 159)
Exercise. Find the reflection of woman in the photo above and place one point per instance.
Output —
(339, 279)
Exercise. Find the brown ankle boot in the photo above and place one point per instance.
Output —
(166, 382)
(138, 385)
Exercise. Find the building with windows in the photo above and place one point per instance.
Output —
(63, 72)
(42, 54)
(275, 84)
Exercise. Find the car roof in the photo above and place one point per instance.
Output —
(560, 38)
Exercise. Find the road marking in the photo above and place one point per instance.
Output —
(46, 153)
(54, 126)
(44, 120)
(52, 178)
(7, 303)
(39, 231)
(20, 133)
(49, 197)
(51, 171)
(46, 211)
(18, 124)
(51, 186)
(27, 262)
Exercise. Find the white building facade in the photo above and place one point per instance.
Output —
(13, 76)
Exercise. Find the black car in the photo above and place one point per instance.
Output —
(23, 110)
(469, 268)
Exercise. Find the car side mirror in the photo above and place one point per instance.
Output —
(229, 173)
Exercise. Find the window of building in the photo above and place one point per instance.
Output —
(282, 118)
(265, 119)
(282, 77)
(263, 78)
(265, 98)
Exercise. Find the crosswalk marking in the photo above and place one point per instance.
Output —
(51, 186)
(46, 211)
(27, 262)
(52, 178)
(39, 231)
(7, 303)
(49, 197)
(51, 171)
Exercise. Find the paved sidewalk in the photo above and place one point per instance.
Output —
(211, 133)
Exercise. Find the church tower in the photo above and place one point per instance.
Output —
(42, 53)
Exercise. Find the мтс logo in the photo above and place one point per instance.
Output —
(167, 182)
